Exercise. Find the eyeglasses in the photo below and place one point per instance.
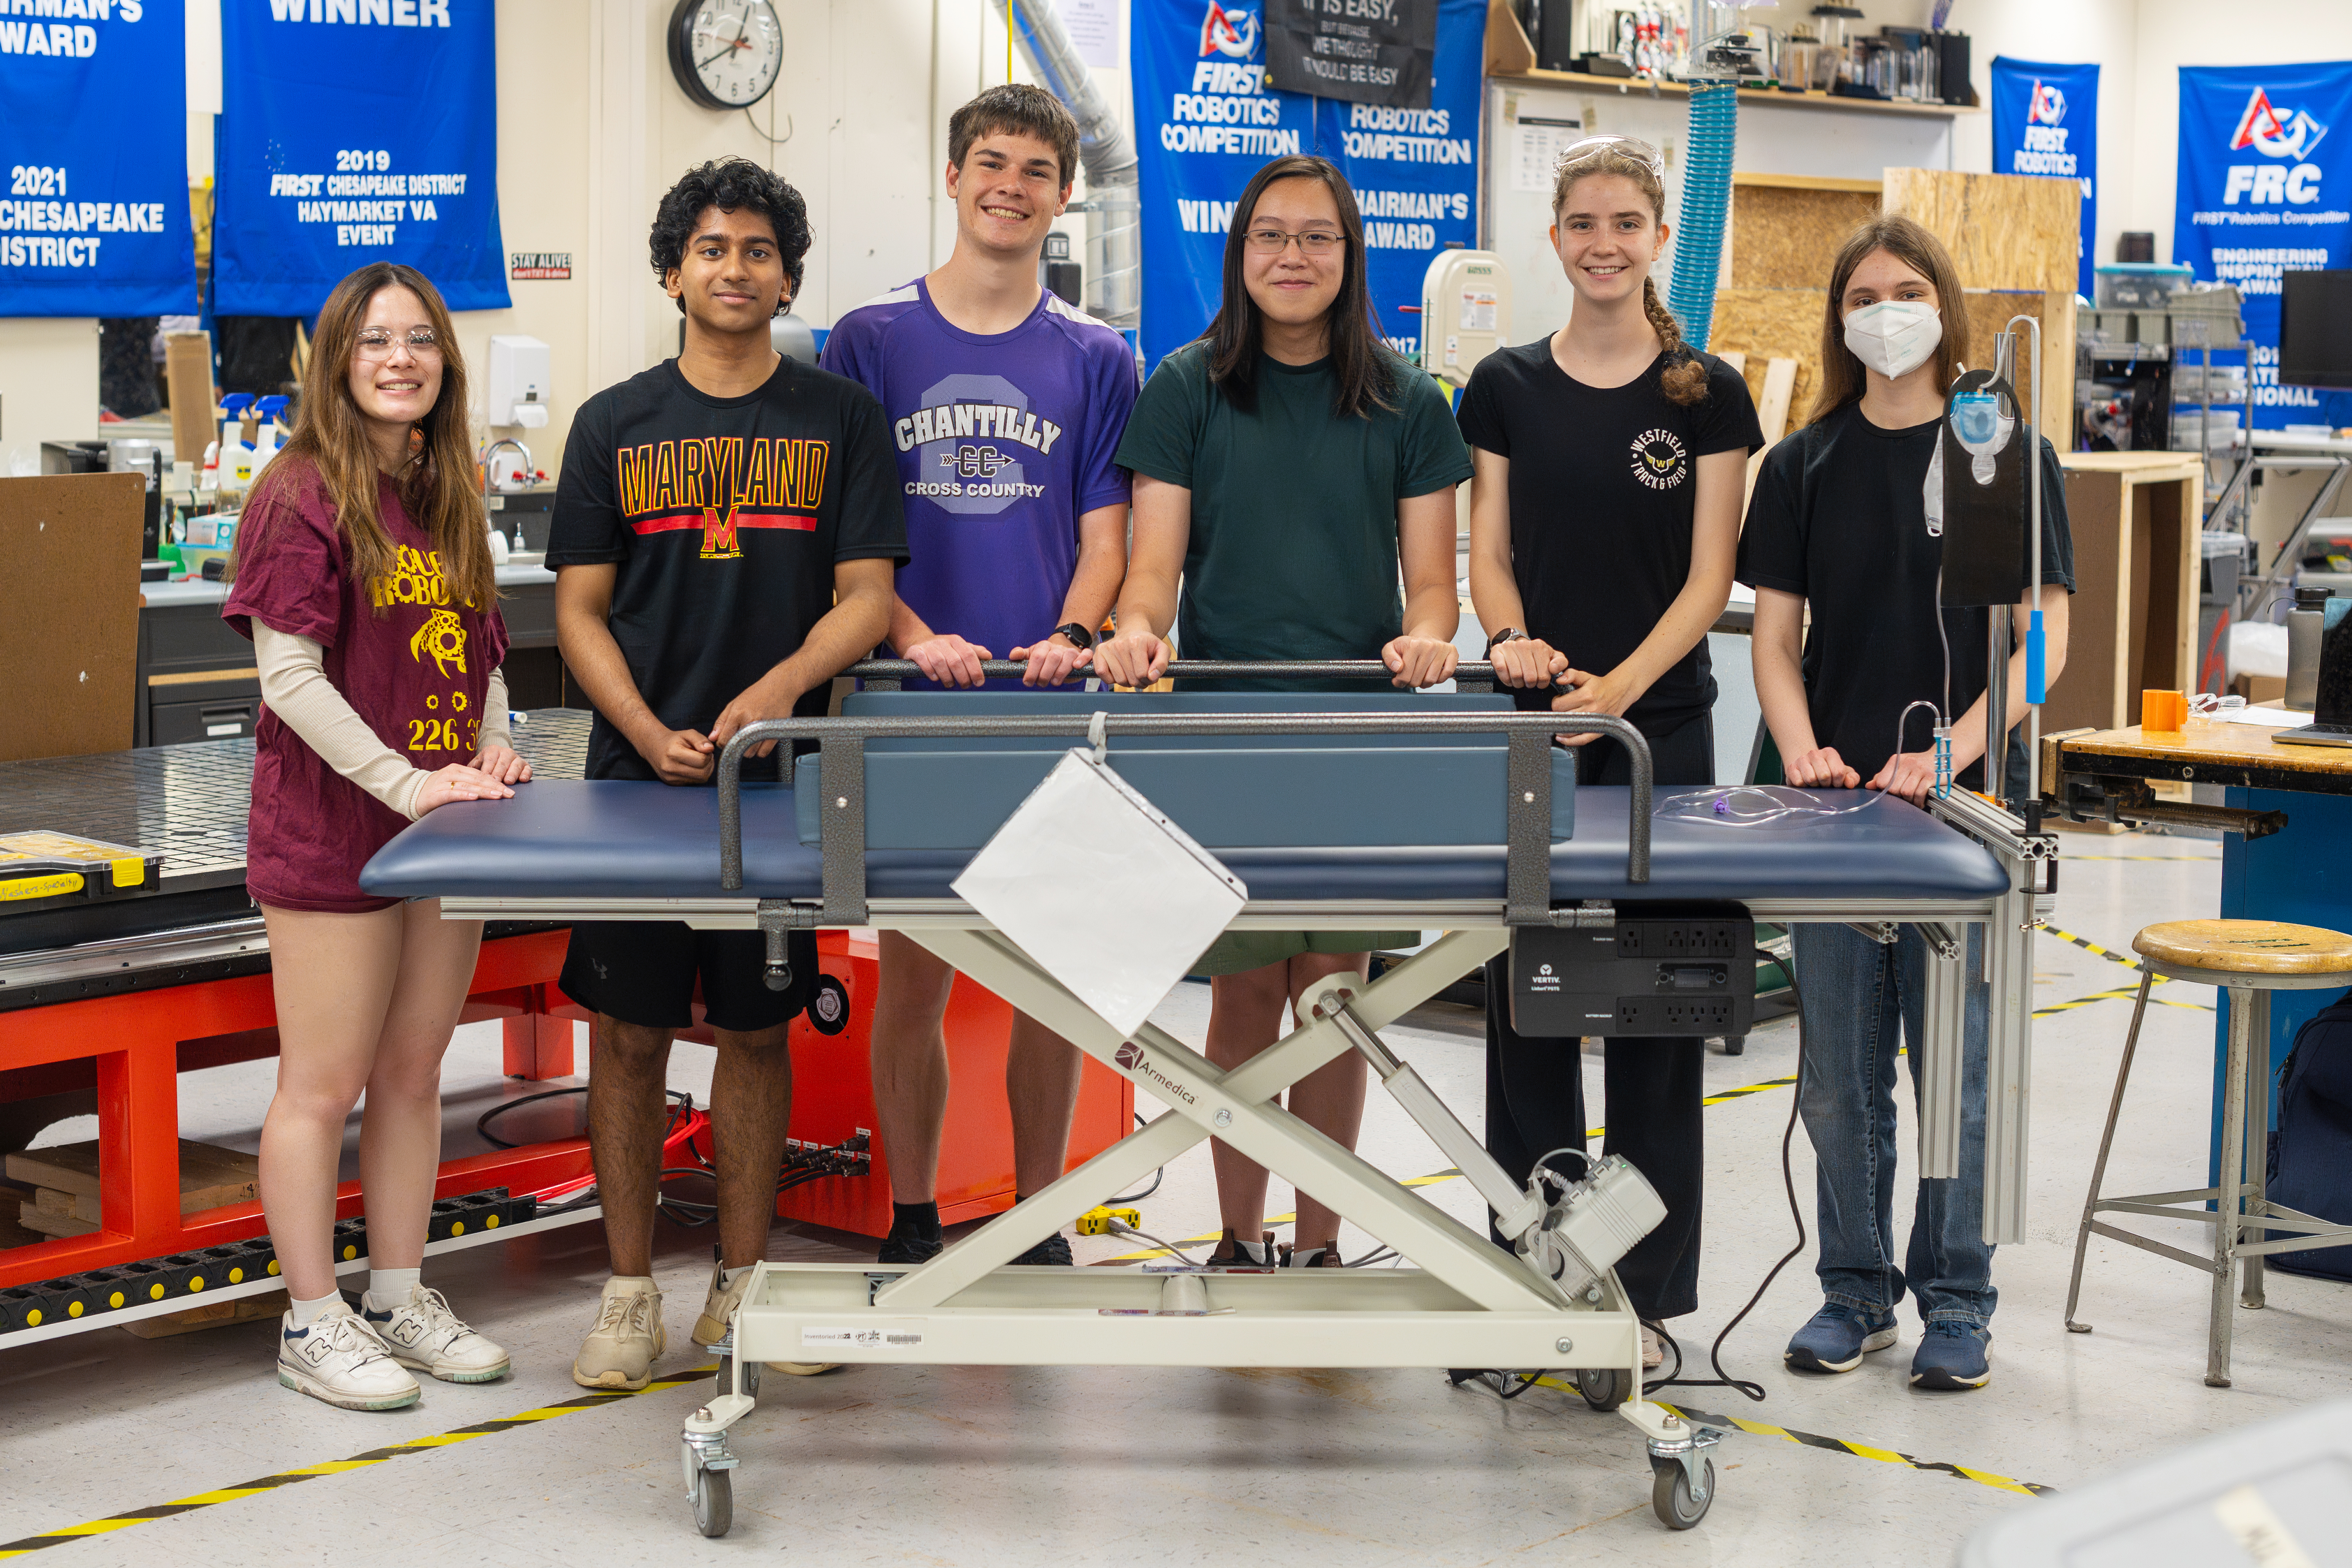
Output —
(376, 342)
(1623, 146)
(1274, 241)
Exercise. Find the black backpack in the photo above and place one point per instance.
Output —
(2310, 1166)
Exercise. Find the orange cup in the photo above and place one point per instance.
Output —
(2163, 713)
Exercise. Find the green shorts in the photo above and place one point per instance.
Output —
(1238, 952)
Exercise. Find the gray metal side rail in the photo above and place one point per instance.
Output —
(841, 745)
(884, 674)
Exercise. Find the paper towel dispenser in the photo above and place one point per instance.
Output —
(519, 383)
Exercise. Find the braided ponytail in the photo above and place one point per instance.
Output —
(1685, 380)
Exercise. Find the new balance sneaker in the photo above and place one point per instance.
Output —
(1952, 1356)
(338, 1358)
(1836, 1338)
(1233, 1253)
(423, 1335)
(1053, 1250)
(621, 1350)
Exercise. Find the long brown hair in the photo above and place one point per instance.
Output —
(1843, 380)
(437, 485)
(1684, 380)
(1361, 365)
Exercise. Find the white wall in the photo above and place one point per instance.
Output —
(48, 384)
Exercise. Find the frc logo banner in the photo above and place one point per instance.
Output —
(2046, 122)
(2262, 187)
(1207, 119)
(93, 124)
(351, 132)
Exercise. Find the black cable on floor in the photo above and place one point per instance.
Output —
(1789, 1181)
(1157, 1176)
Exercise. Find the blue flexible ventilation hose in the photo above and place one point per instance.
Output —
(1706, 205)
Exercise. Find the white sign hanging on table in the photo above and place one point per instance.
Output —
(1107, 895)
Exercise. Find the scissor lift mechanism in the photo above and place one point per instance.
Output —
(1463, 1301)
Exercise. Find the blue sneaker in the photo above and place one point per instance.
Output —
(1952, 1355)
(1836, 1338)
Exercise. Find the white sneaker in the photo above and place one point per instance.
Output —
(1653, 1354)
(338, 1358)
(621, 1350)
(719, 1317)
(423, 1335)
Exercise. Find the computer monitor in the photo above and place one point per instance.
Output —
(2316, 328)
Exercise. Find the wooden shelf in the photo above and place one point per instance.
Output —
(1747, 94)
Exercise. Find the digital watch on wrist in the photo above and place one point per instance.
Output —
(1078, 635)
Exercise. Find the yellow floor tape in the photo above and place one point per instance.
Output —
(2123, 994)
(337, 1467)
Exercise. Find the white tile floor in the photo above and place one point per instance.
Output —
(941, 1466)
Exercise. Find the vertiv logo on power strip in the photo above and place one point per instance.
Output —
(1131, 1057)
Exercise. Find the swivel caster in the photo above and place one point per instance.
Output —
(710, 1480)
(1678, 1506)
(1604, 1387)
(1735, 1045)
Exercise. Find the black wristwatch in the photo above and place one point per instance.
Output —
(1080, 636)
(1508, 633)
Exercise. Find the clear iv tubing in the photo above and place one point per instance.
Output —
(1943, 735)
(1756, 805)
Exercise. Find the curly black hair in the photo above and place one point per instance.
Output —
(729, 184)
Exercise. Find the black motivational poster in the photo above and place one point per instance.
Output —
(1367, 51)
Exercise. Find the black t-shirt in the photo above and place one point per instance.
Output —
(1839, 516)
(1602, 488)
(726, 516)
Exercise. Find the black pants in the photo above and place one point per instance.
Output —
(1534, 1087)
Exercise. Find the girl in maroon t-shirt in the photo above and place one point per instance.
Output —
(364, 578)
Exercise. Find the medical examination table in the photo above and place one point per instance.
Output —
(1449, 814)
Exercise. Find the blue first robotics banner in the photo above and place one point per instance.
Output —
(351, 132)
(2265, 184)
(93, 124)
(2045, 120)
(1206, 120)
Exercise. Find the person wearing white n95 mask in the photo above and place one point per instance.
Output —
(1894, 337)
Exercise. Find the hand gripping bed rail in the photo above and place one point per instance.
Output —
(842, 748)
(884, 674)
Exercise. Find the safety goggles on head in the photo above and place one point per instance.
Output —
(1631, 147)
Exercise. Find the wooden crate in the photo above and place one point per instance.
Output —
(2133, 623)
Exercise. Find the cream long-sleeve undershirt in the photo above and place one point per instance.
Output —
(294, 684)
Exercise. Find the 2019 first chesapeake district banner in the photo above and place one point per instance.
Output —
(93, 136)
(351, 132)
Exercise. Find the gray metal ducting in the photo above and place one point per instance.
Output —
(1114, 273)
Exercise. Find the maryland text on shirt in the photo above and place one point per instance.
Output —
(673, 485)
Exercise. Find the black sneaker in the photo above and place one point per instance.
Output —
(1054, 1251)
(1324, 1257)
(909, 1247)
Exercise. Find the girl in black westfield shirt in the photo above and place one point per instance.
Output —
(1604, 520)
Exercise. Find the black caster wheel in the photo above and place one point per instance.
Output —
(1670, 1492)
(1604, 1387)
(1735, 1045)
(714, 1502)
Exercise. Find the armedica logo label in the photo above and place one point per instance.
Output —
(1659, 459)
(1131, 1057)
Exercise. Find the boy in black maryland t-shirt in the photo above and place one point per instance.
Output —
(724, 539)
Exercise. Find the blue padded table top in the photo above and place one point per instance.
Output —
(607, 838)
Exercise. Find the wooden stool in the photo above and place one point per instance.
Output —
(2250, 959)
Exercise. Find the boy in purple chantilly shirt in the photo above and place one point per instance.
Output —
(1006, 406)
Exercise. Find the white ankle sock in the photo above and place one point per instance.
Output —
(388, 1287)
(308, 1313)
(728, 1276)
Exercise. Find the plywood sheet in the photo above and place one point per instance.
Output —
(1766, 324)
(1989, 310)
(2004, 231)
(69, 642)
(1787, 238)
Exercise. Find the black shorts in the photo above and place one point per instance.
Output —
(643, 973)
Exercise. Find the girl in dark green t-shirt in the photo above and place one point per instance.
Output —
(1287, 465)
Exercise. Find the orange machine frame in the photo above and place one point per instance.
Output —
(131, 1048)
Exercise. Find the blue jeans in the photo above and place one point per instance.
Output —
(1855, 993)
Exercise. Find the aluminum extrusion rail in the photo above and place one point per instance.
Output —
(1470, 677)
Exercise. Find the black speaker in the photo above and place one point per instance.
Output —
(1551, 27)
(1952, 67)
